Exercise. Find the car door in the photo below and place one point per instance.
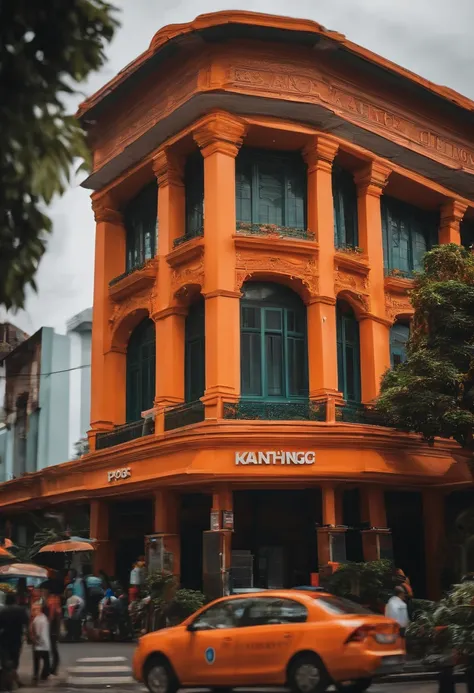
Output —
(269, 632)
(209, 656)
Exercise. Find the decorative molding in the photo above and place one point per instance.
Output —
(397, 305)
(452, 212)
(375, 318)
(222, 292)
(328, 300)
(104, 212)
(352, 262)
(398, 285)
(171, 310)
(319, 153)
(186, 252)
(372, 179)
(185, 275)
(306, 270)
(349, 280)
(220, 132)
(134, 282)
(168, 168)
(120, 311)
(270, 244)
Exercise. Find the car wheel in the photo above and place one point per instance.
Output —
(308, 674)
(159, 677)
(358, 686)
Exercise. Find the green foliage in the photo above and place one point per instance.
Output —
(160, 586)
(184, 603)
(46, 49)
(370, 583)
(432, 393)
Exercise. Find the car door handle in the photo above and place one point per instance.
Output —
(227, 639)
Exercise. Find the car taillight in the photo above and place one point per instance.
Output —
(383, 634)
(360, 634)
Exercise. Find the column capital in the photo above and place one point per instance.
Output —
(452, 212)
(372, 178)
(319, 153)
(375, 318)
(220, 132)
(168, 168)
(167, 312)
(104, 211)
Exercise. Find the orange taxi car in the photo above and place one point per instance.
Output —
(306, 640)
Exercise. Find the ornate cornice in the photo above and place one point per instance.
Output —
(222, 292)
(168, 168)
(452, 212)
(220, 132)
(171, 310)
(372, 179)
(104, 211)
(375, 318)
(319, 154)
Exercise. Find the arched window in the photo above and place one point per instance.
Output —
(348, 353)
(141, 358)
(140, 217)
(274, 355)
(195, 365)
(344, 195)
(399, 335)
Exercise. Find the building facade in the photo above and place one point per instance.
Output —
(263, 190)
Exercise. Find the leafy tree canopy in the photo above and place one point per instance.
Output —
(432, 393)
(46, 48)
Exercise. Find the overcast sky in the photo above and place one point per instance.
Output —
(430, 37)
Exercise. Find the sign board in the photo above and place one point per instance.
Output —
(215, 523)
(228, 519)
(275, 457)
(119, 474)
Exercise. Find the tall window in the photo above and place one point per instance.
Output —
(140, 223)
(141, 358)
(270, 188)
(467, 233)
(348, 353)
(344, 194)
(195, 365)
(194, 191)
(274, 356)
(399, 335)
(408, 233)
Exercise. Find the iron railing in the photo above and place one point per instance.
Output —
(184, 415)
(247, 229)
(188, 236)
(353, 412)
(124, 434)
(137, 268)
(275, 411)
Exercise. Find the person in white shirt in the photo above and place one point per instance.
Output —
(41, 645)
(397, 609)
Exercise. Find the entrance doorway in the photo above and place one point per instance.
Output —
(405, 519)
(195, 519)
(276, 530)
(130, 522)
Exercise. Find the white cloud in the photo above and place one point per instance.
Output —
(430, 37)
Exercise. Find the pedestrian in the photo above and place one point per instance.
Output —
(40, 637)
(397, 610)
(53, 604)
(13, 623)
(74, 611)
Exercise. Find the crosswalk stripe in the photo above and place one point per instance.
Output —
(104, 669)
(91, 660)
(88, 682)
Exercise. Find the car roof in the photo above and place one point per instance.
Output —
(281, 593)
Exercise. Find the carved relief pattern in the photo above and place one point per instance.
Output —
(121, 310)
(397, 305)
(355, 283)
(303, 269)
(187, 274)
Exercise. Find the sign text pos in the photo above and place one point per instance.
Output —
(275, 457)
(119, 474)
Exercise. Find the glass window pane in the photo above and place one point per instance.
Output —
(251, 369)
(273, 319)
(297, 375)
(274, 365)
(243, 189)
(271, 193)
(250, 317)
(295, 203)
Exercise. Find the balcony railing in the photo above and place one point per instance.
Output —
(352, 412)
(184, 415)
(188, 236)
(275, 411)
(124, 434)
(247, 229)
(137, 268)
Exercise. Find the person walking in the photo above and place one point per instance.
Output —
(13, 623)
(54, 609)
(397, 609)
(41, 646)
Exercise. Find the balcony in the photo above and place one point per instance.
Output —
(125, 434)
(188, 236)
(356, 413)
(252, 410)
(135, 279)
(184, 415)
(273, 230)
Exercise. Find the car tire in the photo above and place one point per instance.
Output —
(358, 686)
(159, 677)
(307, 674)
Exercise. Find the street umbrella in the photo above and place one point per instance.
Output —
(4, 553)
(72, 545)
(26, 570)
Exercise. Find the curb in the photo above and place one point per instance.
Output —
(413, 677)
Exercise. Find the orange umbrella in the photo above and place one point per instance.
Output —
(23, 570)
(67, 546)
(4, 553)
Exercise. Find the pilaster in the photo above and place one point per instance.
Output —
(452, 214)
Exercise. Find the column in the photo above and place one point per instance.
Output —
(217, 542)
(374, 329)
(167, 528)
(452, 214)
(219, 137)
(377, 538)
(319, 155)
(435, 540)
(109, 263)
(169, 318)
(331, 539)
(104, 555)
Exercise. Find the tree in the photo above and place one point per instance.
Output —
(46, 49)
(432, 393)
(81, 448)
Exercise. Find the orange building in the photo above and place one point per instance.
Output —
(263, 191)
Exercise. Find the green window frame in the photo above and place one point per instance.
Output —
(140, 217)
(399, 335)
(344, 192)
(348, 353)
(194, 195)
(408, 233)
(270, 188)
(141, 364)
(194, 352)
(274, 353)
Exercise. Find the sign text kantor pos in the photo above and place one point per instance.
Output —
(279, 457)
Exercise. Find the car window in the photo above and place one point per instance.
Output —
(340, 606)
(270, 611)
(225, 614)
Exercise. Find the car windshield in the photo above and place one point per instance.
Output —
(340, 606)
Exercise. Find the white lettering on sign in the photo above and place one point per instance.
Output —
(275, 457)
(119, 474)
